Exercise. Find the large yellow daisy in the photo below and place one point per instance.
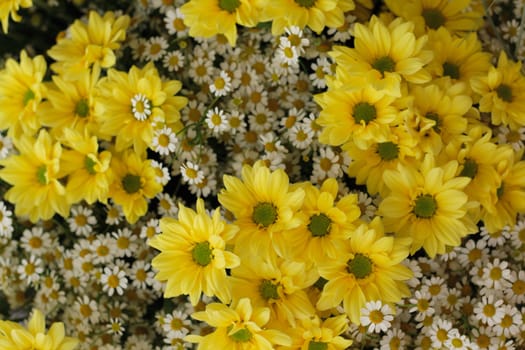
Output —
(206, 18)
(368, 269)
(193, 257)
(428, 205)
(34, 174)
(383, 56)
(264, 206)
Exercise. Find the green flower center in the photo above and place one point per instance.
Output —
(264, 214)
(90, 165)
(435, 117)
(241, 336)
(82, 108)
(28, 96)
(306, 3)
(317, 345)
(387, 150)
(319, 284)
(131, 183)
(504, 92)
(451, 70)
(364, 112)
(41, 175)
(470, 168)
(268, 290)
(229, 5)
(499, 191)
(384, 64)
(425, 206)
(360, 266)
(201, 253)
(319, 225)
(433, 18)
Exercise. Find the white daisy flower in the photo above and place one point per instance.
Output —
(114, 280)
(221, 86)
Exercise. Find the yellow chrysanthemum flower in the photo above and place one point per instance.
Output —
(275, 283)
(361, 115)
(193, 258)
(429, 205)
(264, 206)
(131, 105)
(316, 14)
(206, 18)
(369, 269)
(384, 56)
(70, 103)
(91, 43)
(458, 58)
(15, 337)
(34, 173)
(135, 182)
(368, 165)
(240, 327)
(502, 92)
(21, 91)
(88, 172)
(327, 222)
(314, 333)
(10, 8)
(434, 14)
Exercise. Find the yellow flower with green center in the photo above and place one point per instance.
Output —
(36, 189)
(312, 333)
(88, 172)
(369, 268)
(206, 18)
(10, 8)
(21, 91)
(430, 15)
(428, 205)
(132, 104)
(240, 326)
(327, 222)
(135, 182)
(502, 92)
(315, 14)
(273, 282)
(384, 56)
(90, 44)
(15, 337)
(264, 206)
(70, 104)
(362, 115)
(193, 258)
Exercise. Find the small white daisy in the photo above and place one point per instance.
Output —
(30, 270)
(155, 48)
(114, 280)
(191, 173)
(173, 61)
(221, 86)
(377, 316)
(217, 120)
(81, 220)
(164, 141)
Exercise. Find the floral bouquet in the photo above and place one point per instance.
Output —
(262, 174)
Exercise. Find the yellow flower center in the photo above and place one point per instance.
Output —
(442, 335)
(80, 220)
(241, 336)
(264, 214)
(384, 64)
(82, 108)
(425, 206)
(489, 310)
(113, 281)
(319, 225)
(102, 250)
(164, 140)
(141, 275)
(268, 290)
(451, 70)
(360, 266)
(306, 3)
(387, 150)
(457, 343)
(504, 92)
(229, 5)
(376, 316)
(178, 24)
(85, 310)
(29, 269)
(317, 345)
(219, 83)
(433, 18)
(131, 183)
(506, 321)
(495, 273)
(470, 168)
(201, 253)
(364, 112)
(35, 242)
(28, 96)
(519, 287)
(41, 175)
(422, 305)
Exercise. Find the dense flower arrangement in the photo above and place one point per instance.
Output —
(249, 174)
